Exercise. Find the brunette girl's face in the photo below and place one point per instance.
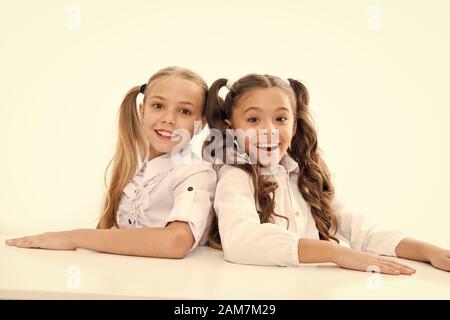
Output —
(171, 106)
(265, 118)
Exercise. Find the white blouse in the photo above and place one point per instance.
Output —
(245, 240)
(164, 190)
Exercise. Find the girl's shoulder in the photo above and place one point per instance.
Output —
(229, 170)
(191, 166)
(233, 174)
(234, 180)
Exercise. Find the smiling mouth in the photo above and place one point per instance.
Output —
(165, 135)
(268, 147)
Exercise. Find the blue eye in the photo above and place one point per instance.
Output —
(252, 120)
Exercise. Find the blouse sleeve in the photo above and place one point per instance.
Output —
(244, 238)
(363, 234)
(193, 198)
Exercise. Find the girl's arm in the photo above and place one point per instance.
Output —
(244, 238)
(413, 249)
(172, 241)
(319, 251)
(364, 235)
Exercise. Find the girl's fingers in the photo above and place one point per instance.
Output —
(24, 242)
(403, 265)
(403, 268)
(19, 243)
(382, 267)
(13, 242)
(397, 265)
(389, 266)
(16, 239)
(389, 270)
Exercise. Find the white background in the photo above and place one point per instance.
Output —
(377, 72)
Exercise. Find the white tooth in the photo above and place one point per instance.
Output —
(166, 134)
(267, 145)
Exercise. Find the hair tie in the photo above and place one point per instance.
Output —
(142, 88)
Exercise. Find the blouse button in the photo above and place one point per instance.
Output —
(129, 221)
(190, 189)
(297, 213)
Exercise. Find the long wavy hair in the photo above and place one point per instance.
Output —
(314, 180)
(132, 144)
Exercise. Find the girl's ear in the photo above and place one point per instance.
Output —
(228, 123)
(294, 130)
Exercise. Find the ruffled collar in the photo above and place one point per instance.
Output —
(167, 161)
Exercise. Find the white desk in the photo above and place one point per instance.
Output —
(203, 274)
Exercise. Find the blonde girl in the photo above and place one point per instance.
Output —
(278, 205)
(155, 206)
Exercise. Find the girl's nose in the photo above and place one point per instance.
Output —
(168, 118)
(269, 135)
(269, 131)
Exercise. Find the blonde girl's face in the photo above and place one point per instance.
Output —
(265, 118)
(171, 106)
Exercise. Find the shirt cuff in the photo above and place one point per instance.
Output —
(294, 252)
(394, 243)
(192, 206)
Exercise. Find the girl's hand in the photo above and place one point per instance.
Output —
(356, 260)
(62, 240)
(440, 259)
